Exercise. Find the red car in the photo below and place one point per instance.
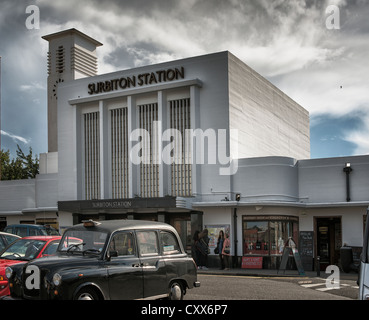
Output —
(23, 250)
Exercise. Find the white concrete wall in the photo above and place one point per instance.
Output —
(211, 70)
(269, 122)
(323, 180)
(351, 222)
(65, 221)
(48, 162)
(267, 179)
(16, 195)
(46, 188)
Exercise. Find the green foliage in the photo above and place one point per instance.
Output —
(22, 167)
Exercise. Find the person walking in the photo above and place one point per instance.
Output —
(219, 249)
(226, 251)
(203, 247)
(194, 250)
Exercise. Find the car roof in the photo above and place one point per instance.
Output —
(113, 225)
(45, 238)
(9, 234)
(29, 225)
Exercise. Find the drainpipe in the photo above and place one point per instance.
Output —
(347, 169)
(238, 198)
(235, 237)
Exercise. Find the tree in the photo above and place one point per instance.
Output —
(22, 167)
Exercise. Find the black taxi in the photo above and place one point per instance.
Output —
(114, 259)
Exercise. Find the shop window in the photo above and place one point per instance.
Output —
(267, 235)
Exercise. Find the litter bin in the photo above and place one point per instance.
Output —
(347, 259)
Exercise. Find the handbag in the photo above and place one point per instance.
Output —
(227, 247)
(216, 250)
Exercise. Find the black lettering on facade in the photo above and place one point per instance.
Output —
(130, 82)
(171, 74)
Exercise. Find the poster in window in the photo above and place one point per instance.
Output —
(214, 234)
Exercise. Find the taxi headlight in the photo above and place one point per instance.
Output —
(8, 272)
(57, 279)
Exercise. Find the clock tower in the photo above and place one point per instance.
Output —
(71, 56)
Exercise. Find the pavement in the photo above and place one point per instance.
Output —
(268, 273)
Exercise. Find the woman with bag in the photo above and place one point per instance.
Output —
(219, 248)
(226, 251)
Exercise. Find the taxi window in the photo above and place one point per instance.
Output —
(147, 242)
(169, 243)
(123, 244)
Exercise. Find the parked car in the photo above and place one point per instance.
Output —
(116, 259)
(25, 230)
(6, 239)
(24, 250)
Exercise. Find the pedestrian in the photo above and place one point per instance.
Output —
(226, 251)
(203, 249)
(194, 251)
(219, 249)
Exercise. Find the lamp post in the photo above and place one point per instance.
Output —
(347, 169)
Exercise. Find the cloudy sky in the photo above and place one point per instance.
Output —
(291, 43)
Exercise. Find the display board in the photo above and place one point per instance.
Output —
(306, 249)
(291, 249)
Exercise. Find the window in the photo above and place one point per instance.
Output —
(9, 238)
(92, 155)
(149, 167)
(119, 153)
(123, 244)
(256, 237)
(51, 248)
(26, 249)
(82, 240)
(21, 231)
(147, 242)
(181, 168)
(36, 232)
(267, 235)
(169, 243)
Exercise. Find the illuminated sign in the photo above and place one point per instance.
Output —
(139, 80)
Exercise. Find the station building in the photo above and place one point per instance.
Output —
(202, 142)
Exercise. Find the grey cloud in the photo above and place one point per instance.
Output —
(286, 41)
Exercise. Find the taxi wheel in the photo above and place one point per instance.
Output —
(176, 291)
(87, 294)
